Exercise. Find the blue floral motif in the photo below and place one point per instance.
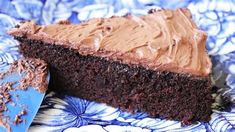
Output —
(217, 18)
(55, 10)
(8, 8)
(8, 51)
(223, 121)
(95, 11)
(6, 22)
(28, 9)
(65, 113)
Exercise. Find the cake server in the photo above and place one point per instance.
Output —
(23, 108)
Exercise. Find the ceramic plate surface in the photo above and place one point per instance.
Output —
(65, 113)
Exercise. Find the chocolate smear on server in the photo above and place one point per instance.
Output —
(33, 74)
(18, 118)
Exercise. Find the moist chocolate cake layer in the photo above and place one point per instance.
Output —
(134, 88)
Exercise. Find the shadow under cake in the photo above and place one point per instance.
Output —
(155, 63)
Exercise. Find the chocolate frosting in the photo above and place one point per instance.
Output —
(162, 40)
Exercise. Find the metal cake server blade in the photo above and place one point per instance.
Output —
(25, 103)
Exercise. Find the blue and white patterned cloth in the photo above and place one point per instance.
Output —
(65, 113)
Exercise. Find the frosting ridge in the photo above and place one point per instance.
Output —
(162, 40)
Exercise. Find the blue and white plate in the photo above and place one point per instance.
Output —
(65, 113)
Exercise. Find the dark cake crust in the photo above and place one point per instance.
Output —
(166, 94)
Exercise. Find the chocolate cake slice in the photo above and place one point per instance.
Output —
(155, 63)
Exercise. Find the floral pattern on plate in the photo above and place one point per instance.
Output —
(65, 113)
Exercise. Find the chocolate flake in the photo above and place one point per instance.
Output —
(33, 73)
(5, 124)
(18, 118)
(64, 22)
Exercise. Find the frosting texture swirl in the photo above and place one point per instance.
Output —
(162, 40)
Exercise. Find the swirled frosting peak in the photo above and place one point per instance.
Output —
(165, 40)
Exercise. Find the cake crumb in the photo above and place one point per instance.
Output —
(18, 118)
(64, 22)
(5, 124)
